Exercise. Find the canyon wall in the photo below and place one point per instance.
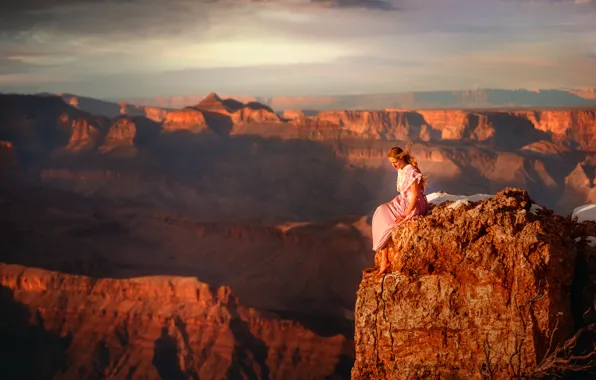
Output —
(461, 151)
(66, 326)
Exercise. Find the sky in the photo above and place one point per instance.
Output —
(142, 48)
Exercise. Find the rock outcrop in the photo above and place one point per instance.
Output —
(477, 290)
(186, 119)
(121, 135)
(577, 125)
(579, 187)
(255, 113)
(150, 327)
(293, 114)
(213, 103)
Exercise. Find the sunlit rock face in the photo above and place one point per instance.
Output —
(63, 326)
(472, 284)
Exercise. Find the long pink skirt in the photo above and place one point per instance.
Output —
(383, 220)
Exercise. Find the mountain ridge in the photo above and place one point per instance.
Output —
(469, 99)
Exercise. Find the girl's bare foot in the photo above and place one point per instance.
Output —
(384, 267)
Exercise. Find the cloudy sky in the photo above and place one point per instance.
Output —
(134, 48)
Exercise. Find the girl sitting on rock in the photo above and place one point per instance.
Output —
(411, 201)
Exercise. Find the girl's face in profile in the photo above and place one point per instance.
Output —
(397, 164)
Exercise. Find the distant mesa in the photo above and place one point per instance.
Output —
(466, 99)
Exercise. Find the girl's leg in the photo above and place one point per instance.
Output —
(384, 265)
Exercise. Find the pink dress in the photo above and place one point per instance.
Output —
(384, 217)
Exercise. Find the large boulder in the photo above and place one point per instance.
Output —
(476, 290)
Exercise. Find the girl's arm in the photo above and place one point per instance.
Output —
(413, 195)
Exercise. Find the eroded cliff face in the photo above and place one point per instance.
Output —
(580, 186)
(579, 126)
(495, 127)
(187, 119)
(120, 135)
(475, 291)
(255, 114)
(373, 124)
(151, 327)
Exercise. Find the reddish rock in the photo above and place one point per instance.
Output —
(449, 124)
(293, 114)
(579, 187)
(121, 135)
(154, 327)
(86, 132)
(187, 119)
(255, 113)
(155, 114)
(213, 103)
(476, 292)
(577, 125)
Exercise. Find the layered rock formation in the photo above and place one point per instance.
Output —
(85, 135)
(494, 127)
(577, 125)
(187, 119)
(213, 103)
(580, 186)
(121, 135)
(291, 115)
(477, 290)
(255, 113)
(65, 326)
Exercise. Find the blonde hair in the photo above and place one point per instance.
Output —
(400, 154)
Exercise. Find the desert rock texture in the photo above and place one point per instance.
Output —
(477, 290)
(66, 326)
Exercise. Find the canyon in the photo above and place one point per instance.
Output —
(227, 240)
(552, 154)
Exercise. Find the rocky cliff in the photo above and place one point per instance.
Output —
(120, 135)
(213, 103)
(494, 127)
(66, 326)
(187, 119)
(476, 290)
(255, 113)
(461, 151)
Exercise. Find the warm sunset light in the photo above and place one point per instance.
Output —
(298, 189)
